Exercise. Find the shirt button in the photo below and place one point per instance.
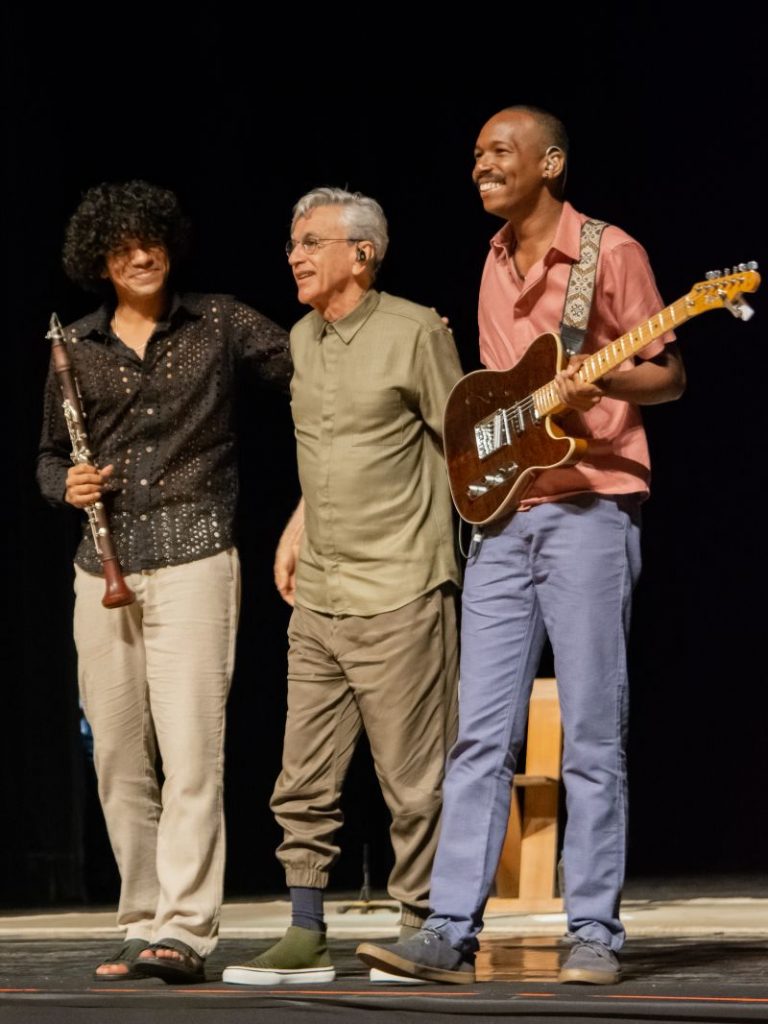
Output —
(150, 412)
(143, 483)
(143, 518)
(149, 448)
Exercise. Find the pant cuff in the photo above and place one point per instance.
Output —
(203, 947)
(413, 917)
(310, 878)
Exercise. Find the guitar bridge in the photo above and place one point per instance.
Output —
(492, 433)
(500, 476)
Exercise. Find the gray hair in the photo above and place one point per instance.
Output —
(363, 217)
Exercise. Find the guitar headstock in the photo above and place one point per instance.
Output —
(725, 289)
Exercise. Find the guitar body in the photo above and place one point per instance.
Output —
(486, 485)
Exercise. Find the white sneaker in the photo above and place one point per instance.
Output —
(278, 976)
(379, 977)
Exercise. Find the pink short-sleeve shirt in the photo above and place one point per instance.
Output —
(514, 311)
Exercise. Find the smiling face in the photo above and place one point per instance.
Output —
(138, 270)
(511, 164)
(331, 277)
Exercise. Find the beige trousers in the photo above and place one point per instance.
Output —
(154, 678)
(395, 675)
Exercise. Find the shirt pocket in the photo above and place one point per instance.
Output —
(378, 417)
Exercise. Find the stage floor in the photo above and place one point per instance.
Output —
(689, 956)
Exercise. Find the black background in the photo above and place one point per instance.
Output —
(667, 120)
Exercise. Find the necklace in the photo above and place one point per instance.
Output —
(138, 349)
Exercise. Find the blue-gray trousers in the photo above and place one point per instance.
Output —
(567, 570)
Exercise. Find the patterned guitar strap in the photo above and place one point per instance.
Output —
(581, 287)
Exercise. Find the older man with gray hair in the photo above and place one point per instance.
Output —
(368, 562)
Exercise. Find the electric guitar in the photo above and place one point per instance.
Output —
(499, 429)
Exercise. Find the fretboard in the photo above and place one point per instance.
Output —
(546, 399)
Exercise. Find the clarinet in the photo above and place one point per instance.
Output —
(117, 592)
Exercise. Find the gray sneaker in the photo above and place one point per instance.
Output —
(427, 955)
(591, 963)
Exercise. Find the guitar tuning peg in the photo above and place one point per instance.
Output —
(740, 309)
(752, 265)
(726, 272)
(710, 274)
(741, 267)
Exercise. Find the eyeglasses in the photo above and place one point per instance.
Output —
(311, 244)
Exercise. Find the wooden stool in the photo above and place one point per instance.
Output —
(526, 876)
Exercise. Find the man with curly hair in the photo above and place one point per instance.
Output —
(157, 374)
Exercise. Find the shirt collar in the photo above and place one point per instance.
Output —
(99, 322)
(348, 326)
(567, 240)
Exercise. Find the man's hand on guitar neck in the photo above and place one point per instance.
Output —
(575, 393)
(649, 382)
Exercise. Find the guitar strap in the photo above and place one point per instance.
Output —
(581, 287)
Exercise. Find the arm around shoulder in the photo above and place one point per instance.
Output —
(264, 343)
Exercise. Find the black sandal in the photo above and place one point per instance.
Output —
(127, 954)
(175, 971)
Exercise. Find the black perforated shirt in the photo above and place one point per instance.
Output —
(166, 424)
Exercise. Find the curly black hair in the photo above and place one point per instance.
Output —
(113, 212)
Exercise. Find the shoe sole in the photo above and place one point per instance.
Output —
(276, 977)
(379, 977)
(584, 977)
(391, 963)
(170, 975)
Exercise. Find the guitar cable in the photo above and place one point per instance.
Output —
(475, 540)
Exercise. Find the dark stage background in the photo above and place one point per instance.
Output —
(669, 141)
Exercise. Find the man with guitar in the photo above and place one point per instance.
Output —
(563, 565)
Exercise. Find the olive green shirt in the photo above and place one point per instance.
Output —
(367, 396)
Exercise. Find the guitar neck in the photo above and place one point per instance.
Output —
(596, 365)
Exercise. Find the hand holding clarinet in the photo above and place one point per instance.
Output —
(85, 482)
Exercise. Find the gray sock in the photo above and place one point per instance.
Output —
(307, 908)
